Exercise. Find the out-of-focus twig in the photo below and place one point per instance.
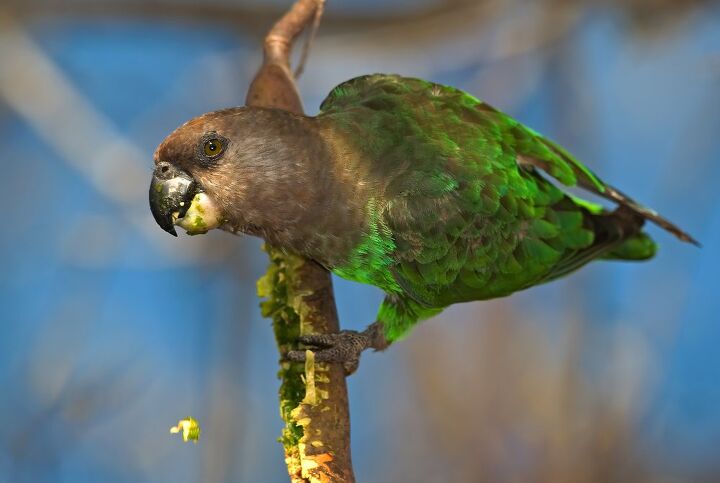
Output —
(308, 42)
(299, 298)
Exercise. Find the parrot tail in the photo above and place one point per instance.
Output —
(637, 248)
(627, 203)
(618, 236)
(626, 223)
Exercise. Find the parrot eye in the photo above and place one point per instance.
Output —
(213, 147)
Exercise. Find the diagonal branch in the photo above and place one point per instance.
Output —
(299, 297)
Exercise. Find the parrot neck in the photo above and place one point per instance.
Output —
(301, 203)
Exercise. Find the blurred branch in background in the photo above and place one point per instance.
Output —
(413, 25)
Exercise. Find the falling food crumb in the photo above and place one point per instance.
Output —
(190, 429)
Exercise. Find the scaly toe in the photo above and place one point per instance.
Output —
(295, 356)
(319, 340)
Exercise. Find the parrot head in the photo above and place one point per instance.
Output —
(232, 169)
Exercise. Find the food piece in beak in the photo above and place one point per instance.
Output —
(201, 216)
(176, 199)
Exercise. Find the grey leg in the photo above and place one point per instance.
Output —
(344, 347)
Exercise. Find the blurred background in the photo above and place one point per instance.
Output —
(112, 330)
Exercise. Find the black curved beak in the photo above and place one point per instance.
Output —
(171, 192)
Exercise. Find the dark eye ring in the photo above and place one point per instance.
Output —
(213, 147)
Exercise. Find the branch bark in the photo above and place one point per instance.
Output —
(299, 297)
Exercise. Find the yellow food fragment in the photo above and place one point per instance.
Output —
(190, 429)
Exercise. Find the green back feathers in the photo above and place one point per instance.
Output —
(460, 208)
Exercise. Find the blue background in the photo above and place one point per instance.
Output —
(111, 330)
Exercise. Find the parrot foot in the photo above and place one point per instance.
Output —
(344, 347)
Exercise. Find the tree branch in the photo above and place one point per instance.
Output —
(299, 297)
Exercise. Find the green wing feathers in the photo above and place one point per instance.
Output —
(561, 165)
(466, 199)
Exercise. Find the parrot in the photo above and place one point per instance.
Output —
(417, 188)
